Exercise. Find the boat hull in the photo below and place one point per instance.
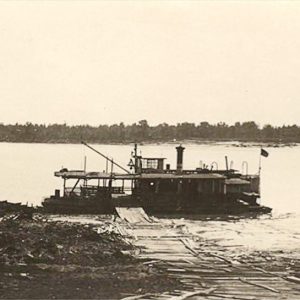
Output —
(158, 206)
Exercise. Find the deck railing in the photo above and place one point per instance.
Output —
(90, 190)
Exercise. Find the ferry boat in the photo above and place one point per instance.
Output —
(158, 189)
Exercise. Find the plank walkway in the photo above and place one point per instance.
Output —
(205, 271)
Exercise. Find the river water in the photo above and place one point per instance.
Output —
(27, 176)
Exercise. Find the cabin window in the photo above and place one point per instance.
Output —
(213, 186)
(149, 164)
(220, 187)
(207, 186)
(154, 186)
(152, 164)
(148, 185)
(179, 187)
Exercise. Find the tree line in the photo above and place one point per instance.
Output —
(143, 132)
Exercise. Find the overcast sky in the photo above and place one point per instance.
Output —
(110, 62)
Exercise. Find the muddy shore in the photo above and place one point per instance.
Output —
(44, 259)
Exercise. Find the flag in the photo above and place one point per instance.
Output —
(264, 153)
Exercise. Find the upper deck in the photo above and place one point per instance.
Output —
(79, 174)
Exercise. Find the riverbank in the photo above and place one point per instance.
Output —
(44, 259)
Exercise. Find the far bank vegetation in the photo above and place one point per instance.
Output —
(143, 132)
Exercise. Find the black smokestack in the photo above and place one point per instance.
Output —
(179, 158)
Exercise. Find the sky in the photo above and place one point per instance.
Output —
(106, 62)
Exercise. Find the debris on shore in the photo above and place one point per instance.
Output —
(10, 207)
(40, 258)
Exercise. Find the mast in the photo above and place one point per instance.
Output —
(107, 159)
(135, 159)
(259, 164)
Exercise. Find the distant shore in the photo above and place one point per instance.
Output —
(142, 132)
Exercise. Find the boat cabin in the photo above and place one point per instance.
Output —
(236, 186)
(177, 184)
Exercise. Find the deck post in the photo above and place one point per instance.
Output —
(64, 186)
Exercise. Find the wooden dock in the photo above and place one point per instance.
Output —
(205, 271)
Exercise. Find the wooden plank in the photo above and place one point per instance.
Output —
(259, 285)
(194, 293)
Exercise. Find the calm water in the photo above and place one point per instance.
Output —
(27, 176)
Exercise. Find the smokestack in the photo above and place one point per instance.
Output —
(226, 162)
(180, 150)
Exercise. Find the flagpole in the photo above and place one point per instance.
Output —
(259, 169)
(265, 154)
(259, 165)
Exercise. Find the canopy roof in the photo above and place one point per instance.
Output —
(181, 176)
(79, 174)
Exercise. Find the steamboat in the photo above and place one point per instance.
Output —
(157, 188)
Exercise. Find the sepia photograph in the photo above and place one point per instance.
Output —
(150, 150)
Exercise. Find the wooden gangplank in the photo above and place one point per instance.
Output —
(133, 214)
(204, 269)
